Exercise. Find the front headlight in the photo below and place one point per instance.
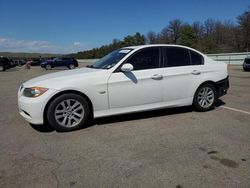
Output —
(34, 91)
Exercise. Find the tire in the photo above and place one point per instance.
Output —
(68, 112)
(2, 68)
(205, 98)
(245, 69)
(48, 67)
(71, 66)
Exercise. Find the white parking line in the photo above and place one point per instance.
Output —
(236, 110)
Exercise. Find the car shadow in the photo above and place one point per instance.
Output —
(46, 128)
(219, 103)
(142, 115)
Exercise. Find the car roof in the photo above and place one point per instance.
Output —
(160, 45)
(155, 45)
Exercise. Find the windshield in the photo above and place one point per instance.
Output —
(56, 59)
(111, 59)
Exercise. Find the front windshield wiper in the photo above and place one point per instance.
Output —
(93, 67)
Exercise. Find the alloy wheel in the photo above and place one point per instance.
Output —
(69, 113)
(71, 66)
(206, 97)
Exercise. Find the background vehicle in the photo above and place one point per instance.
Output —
(71, 63)
(19, 62)
(5, 63)
(36, 62)
(246, 64)
(12, 63)
(127, 80)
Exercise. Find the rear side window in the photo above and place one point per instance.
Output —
(175, 57)
(148, 58)
(196, 58)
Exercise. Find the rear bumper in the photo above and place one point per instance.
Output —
(223, 86)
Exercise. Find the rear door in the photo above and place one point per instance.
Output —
(58, 62)
(182, 70)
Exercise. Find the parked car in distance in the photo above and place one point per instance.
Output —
(19, 62)
(71, 63)
(246, 64)
(12, 63)
(36, 62)
(127, 80)
(5, 63)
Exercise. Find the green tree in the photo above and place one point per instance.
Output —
(188, 37)
(244, 24)
(135, 40)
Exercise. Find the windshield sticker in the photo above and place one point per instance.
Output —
(124, 51)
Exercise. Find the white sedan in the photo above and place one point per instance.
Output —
(127, 80)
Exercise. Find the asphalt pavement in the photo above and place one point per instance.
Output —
(177, 148)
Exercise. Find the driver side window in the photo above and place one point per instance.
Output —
(145, 59)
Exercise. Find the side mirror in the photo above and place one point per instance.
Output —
(127, 67)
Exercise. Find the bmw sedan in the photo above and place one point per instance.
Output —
(127, 80)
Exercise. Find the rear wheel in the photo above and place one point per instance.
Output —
(2, 68)
(68, 112)
(205, 97)
(71, 66)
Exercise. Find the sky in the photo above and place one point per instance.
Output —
(66, 26)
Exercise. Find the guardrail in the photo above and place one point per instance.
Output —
(229, 58)
(87, 61)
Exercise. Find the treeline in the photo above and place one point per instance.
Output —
(137, 39)
(21, 55)
(211, 36)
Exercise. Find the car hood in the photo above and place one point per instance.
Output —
(52, 79)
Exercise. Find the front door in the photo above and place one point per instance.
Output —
(141, 86)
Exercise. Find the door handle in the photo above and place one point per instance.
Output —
(157, 77)
(196, 72)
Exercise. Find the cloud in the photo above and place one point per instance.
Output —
(77, 44)
(14, 45)
(2, 40)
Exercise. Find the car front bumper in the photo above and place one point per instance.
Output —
(246, 66)
(32, 109)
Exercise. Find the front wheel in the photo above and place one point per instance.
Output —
(205, 97)
(71, 66)
(2, 68)
(68, 112)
